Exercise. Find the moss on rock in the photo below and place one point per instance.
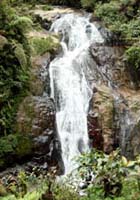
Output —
(41, 45)
(26, 115)
(14, 147)
(22, 23)
(3, 42)
(20, 55)
(103, 106)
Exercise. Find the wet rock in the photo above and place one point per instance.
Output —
(131, 141)
(95, 131)
(115, 102)
(36, 117)
(39, 81)
(46, 18)
(102, 120)
(109, 65)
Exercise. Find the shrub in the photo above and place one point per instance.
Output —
(47, 7)
(21, 56)
(40, 46)
(133, 56)
(129, 31)
(6, 14)
(109, 13)
(108, 170)
(113, 174)
(88, 4)
(133, 29)
(23, 24)
(13, 86)
(64, 192)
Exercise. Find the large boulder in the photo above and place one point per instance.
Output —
(102, 121)
(109, 65)
(114, 117)
(36, 113)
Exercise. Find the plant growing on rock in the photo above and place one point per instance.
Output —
(23, 24)
(109, 171)
(88, 4)
(109, 12)
(133, 56)
(40, 45)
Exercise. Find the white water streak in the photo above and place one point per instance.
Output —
(69, 85)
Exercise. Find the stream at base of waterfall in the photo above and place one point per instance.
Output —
(70, 88)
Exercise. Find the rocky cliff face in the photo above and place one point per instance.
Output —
(116, 124)
(36, 113)
(113, 119)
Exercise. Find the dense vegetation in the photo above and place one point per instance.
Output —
(114, 178)
(15, 65)
(14, 78)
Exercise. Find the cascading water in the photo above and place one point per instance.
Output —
(69, 85)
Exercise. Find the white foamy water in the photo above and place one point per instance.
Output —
(69, 85)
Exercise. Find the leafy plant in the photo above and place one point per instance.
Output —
(14, 146)
(23, 24)
(109, 12)
(47, 7)
(133, 56)
(110, 176)
(108, 170)
(88, 4)
(40, 46)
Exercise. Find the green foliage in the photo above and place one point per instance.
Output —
(25, 187)
(6, 14)
(121, 17)
(14, 145)
(115, 176)
(63, 192)
(133, 56)
(21, 56)
(47, 7)
(108, 171)
(131, 29)
(40, 46)
(43, 187)
(23, 24)
(109, 12)
(14, 64)
(13, 81)
(88, 4)
(130, 191)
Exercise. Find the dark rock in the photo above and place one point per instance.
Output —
(95, 132)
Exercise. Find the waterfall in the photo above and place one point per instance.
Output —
(70, 88)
